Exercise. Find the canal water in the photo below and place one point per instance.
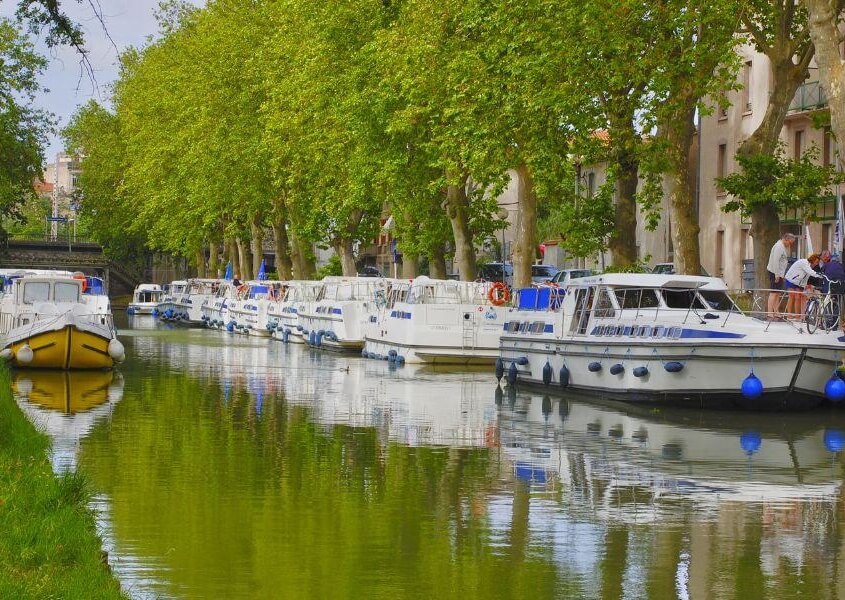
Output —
(234, 467)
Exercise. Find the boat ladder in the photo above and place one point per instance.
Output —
(468, 333)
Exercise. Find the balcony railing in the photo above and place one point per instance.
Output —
(810, 96)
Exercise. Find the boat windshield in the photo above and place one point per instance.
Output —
(65, 292)
(682, 298)
(636, 298)
(718, 300)
(36, 291)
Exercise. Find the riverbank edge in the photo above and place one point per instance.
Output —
(49, 547)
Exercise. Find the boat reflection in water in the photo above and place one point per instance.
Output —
(239, 469)
(66, 405)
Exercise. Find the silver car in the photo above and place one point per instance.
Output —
(564, 277)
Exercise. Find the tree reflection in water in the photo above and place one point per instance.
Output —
(233, 469)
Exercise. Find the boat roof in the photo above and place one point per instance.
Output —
(148, 287)
(650, 280)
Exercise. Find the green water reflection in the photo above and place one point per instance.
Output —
(240, 468)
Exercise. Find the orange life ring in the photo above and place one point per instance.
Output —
(81, 277)
(498, 294)
(242, 291)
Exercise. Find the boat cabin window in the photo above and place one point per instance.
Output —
(636, 298)
(717, 300)
(36, 291)
(149, 296)
(581, 316)
(604, 305)
(65, 292)
(685, 299)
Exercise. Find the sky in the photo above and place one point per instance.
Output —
(128, 22)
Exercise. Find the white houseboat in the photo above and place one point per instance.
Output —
(145, 299)
(215, 310)
(188, 305)
(672, 338)
(167, 308)
(438, 321)
(339, 317)
(248, 310)
(283, 314)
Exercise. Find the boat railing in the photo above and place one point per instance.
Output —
(698, 306)
(755, 303)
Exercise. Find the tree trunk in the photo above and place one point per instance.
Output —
(679, 184)
(244, 260)
(213, 260)
(525, 244)
(283, 257)
(343, 248)
(410, 266)
(257, 245)
(307, 261)
(301, 258)
(824, 19)
(437, 264)
(234, 258)
(788, 73)
(765, 229)
(457, 209)
(199, 259)
(623, 240)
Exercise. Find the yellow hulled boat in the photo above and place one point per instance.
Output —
(50, 322)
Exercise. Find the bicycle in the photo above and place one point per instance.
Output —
(823, 309)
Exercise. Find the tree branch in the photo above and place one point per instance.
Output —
(756, 33)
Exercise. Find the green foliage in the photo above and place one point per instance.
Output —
(789, 184)
(323, 117)
(640, 266)
(31, 218)
(23, 129)
(582, 224)
(332, 267)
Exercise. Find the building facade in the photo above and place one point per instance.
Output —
(726, 242)
(62, 175)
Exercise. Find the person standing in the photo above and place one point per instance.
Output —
(835, 272)
(800, 277)
(778, 262)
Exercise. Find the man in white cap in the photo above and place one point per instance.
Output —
(778, 262)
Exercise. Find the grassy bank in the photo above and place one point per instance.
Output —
(48, 544)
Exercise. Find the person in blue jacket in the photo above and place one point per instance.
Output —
(832, 268)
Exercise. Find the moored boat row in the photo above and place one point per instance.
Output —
(637, 337)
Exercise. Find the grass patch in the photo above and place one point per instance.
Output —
(48, 542)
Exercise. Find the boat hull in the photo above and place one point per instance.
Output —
(67, 347)
(433, 355)
(141, 309)
(700, 375)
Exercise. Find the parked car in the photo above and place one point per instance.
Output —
(370, 272)
(562, 278)
(542, 273)
(493, 272)
(664, 269)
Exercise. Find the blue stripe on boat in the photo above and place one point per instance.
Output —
(698, 333)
